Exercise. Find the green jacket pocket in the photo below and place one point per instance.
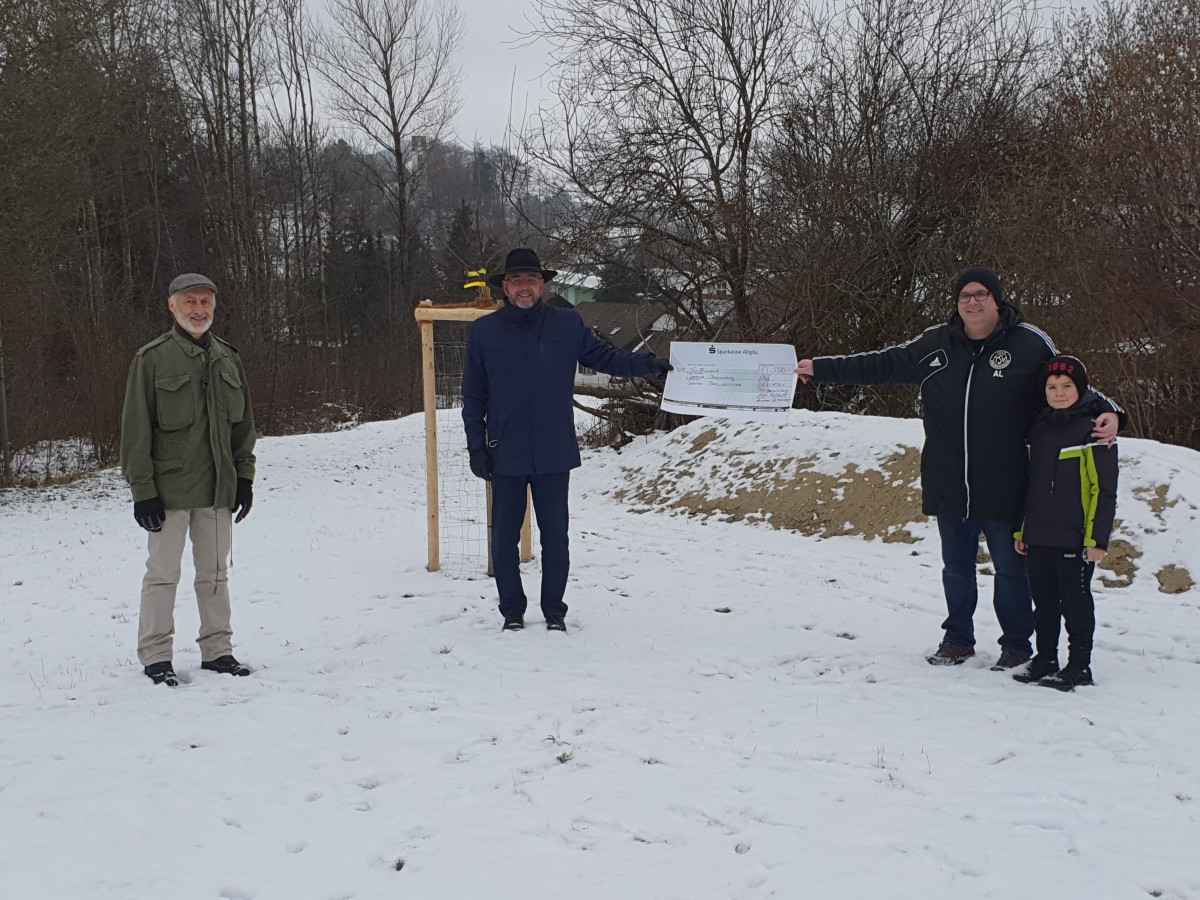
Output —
(167, 456)
(173, 402)
(235, 402)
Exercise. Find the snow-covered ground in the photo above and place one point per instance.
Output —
(737, 711)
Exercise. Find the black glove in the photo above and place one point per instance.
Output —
(150, 514)
(660, 367)
(481, 464)
(243, 499)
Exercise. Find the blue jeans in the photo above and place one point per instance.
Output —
(508, 512)
(1010, 591)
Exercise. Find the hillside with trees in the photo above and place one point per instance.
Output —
(825, 172)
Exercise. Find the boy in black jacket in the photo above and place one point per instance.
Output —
(1069, 509)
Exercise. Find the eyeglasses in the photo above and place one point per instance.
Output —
(978, 295)
(524, 278)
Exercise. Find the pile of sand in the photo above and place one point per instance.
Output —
(789, 492)
(801, 480)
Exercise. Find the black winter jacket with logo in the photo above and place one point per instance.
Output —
(1072, 497)
(979, 398)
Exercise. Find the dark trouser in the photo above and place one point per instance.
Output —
(508, 512)
(1010, 590)
(1061, 582)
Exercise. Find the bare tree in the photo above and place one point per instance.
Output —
(391, 74)
(292, 114)
(1121, 246)
(5, 449)
(664, 107)
(219, 53)
(295, 187)
(913, 127)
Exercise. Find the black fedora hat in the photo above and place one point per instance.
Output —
(521, 260)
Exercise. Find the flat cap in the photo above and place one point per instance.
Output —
(186, 282)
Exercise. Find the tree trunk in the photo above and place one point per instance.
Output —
(5, 449)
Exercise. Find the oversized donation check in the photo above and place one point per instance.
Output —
(747, 382)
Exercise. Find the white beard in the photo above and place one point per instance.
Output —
(189, 326)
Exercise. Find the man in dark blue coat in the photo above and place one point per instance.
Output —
(518, 389)
(981, 379)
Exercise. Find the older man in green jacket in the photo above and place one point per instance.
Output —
(187, 451)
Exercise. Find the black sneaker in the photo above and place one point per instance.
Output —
(226, 665)
(162, 673)
(1068, 678)
(513, 623)
(556, 623)
(1010, 660)
(1039, 667)
(949, 654)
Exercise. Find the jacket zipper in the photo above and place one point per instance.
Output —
(966, 442)
(205, 379)
(209, 403)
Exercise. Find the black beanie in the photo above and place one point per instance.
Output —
(1072, 368)
(986, 277)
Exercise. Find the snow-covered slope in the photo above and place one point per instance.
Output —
(739, 710)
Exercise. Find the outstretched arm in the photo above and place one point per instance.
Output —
(602, 357)
(906, 363)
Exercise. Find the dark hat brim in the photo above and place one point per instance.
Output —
(548, 275)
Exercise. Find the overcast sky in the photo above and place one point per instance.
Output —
(498, 77)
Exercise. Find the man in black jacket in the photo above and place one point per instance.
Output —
(980, 383)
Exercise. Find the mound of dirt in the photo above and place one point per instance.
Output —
(1119, 561)
(1173, 580)
(831, 474)
(808, 494)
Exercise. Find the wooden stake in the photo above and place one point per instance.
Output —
(426, 314)
(491, 567)
(429, 386)
(527, 529)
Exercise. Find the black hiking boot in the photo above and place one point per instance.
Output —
(556, 623)
(226, 665)
(513, 623)
(162, 673)
(1039, 667)
(1068, 678)
(949, 654)
(1010, 660)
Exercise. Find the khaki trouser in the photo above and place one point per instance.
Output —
(212, 532)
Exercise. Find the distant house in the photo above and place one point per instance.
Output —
(575, 288)
(638, 328)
